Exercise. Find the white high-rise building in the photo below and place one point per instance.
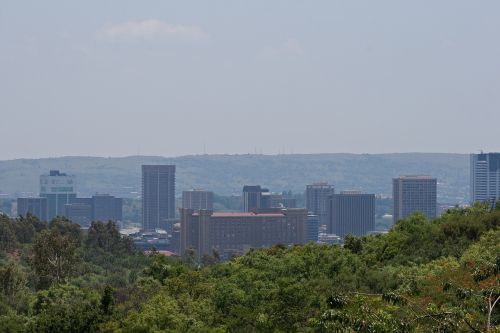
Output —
(59, 189)
(485, 177)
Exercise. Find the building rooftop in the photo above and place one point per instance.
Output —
(319, 184)
(54, 173)
(351, 192)
(414, 177)
(243, 214)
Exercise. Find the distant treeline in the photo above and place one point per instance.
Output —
(226, 174)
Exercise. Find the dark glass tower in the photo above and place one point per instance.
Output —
(158, 196)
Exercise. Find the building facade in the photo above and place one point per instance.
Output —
(234, 233)
(351, 212)
(414, 193)
(59, 189)
(101, 207)
(255, 197)
(317, 200)
(106, 207)
(158, 196)
(80, 213)
(282, 201)
(312, 228)
(35, 206)
(198, 199)
(485, 177)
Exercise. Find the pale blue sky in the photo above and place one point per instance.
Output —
(114, 78)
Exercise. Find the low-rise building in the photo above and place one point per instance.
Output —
(234, 233)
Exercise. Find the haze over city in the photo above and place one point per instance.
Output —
(176, 78)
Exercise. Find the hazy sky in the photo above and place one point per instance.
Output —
(114, 78)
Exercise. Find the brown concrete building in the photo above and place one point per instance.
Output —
(234, 233)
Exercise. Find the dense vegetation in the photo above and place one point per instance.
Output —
(423, 276)
(226, 174)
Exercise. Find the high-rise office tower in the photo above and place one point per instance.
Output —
(59, 189)
(317, 199)
(351, 212)
(255, 197)
(414, 194)
(485, 177)
(198, 199)
(158, 196)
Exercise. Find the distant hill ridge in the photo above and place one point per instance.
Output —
(226, 174)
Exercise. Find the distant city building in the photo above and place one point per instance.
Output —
(147, 241)
(101, 207)
(106, 207)
(412, 194)
(58, 198)
(325, 238)
(312, 228)
(198, 199)
(35, 206)
(255, 197)
(485, 177)
(282, 201)
(175, 239)
(234, 233)
(265, 200)
(80, 213)
(158, 196)
(351, 212)
(59, 189)
(317, 200)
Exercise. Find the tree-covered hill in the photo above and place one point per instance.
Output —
(226, 174)
(440, 276)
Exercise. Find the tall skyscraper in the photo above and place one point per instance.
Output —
(317, 200)
(59, 189)
(198, 199)
(351, 212)
(255, 197)
(414, 194)
(485, 177)
(158, 196)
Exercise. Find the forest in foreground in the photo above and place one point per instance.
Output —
(439, 275)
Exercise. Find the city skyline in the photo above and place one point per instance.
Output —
(249, 166)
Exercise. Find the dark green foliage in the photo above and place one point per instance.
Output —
(354, 244)
(107, 237)
(108, 300)
(422, 276)
(65, 308)
(54, 255)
